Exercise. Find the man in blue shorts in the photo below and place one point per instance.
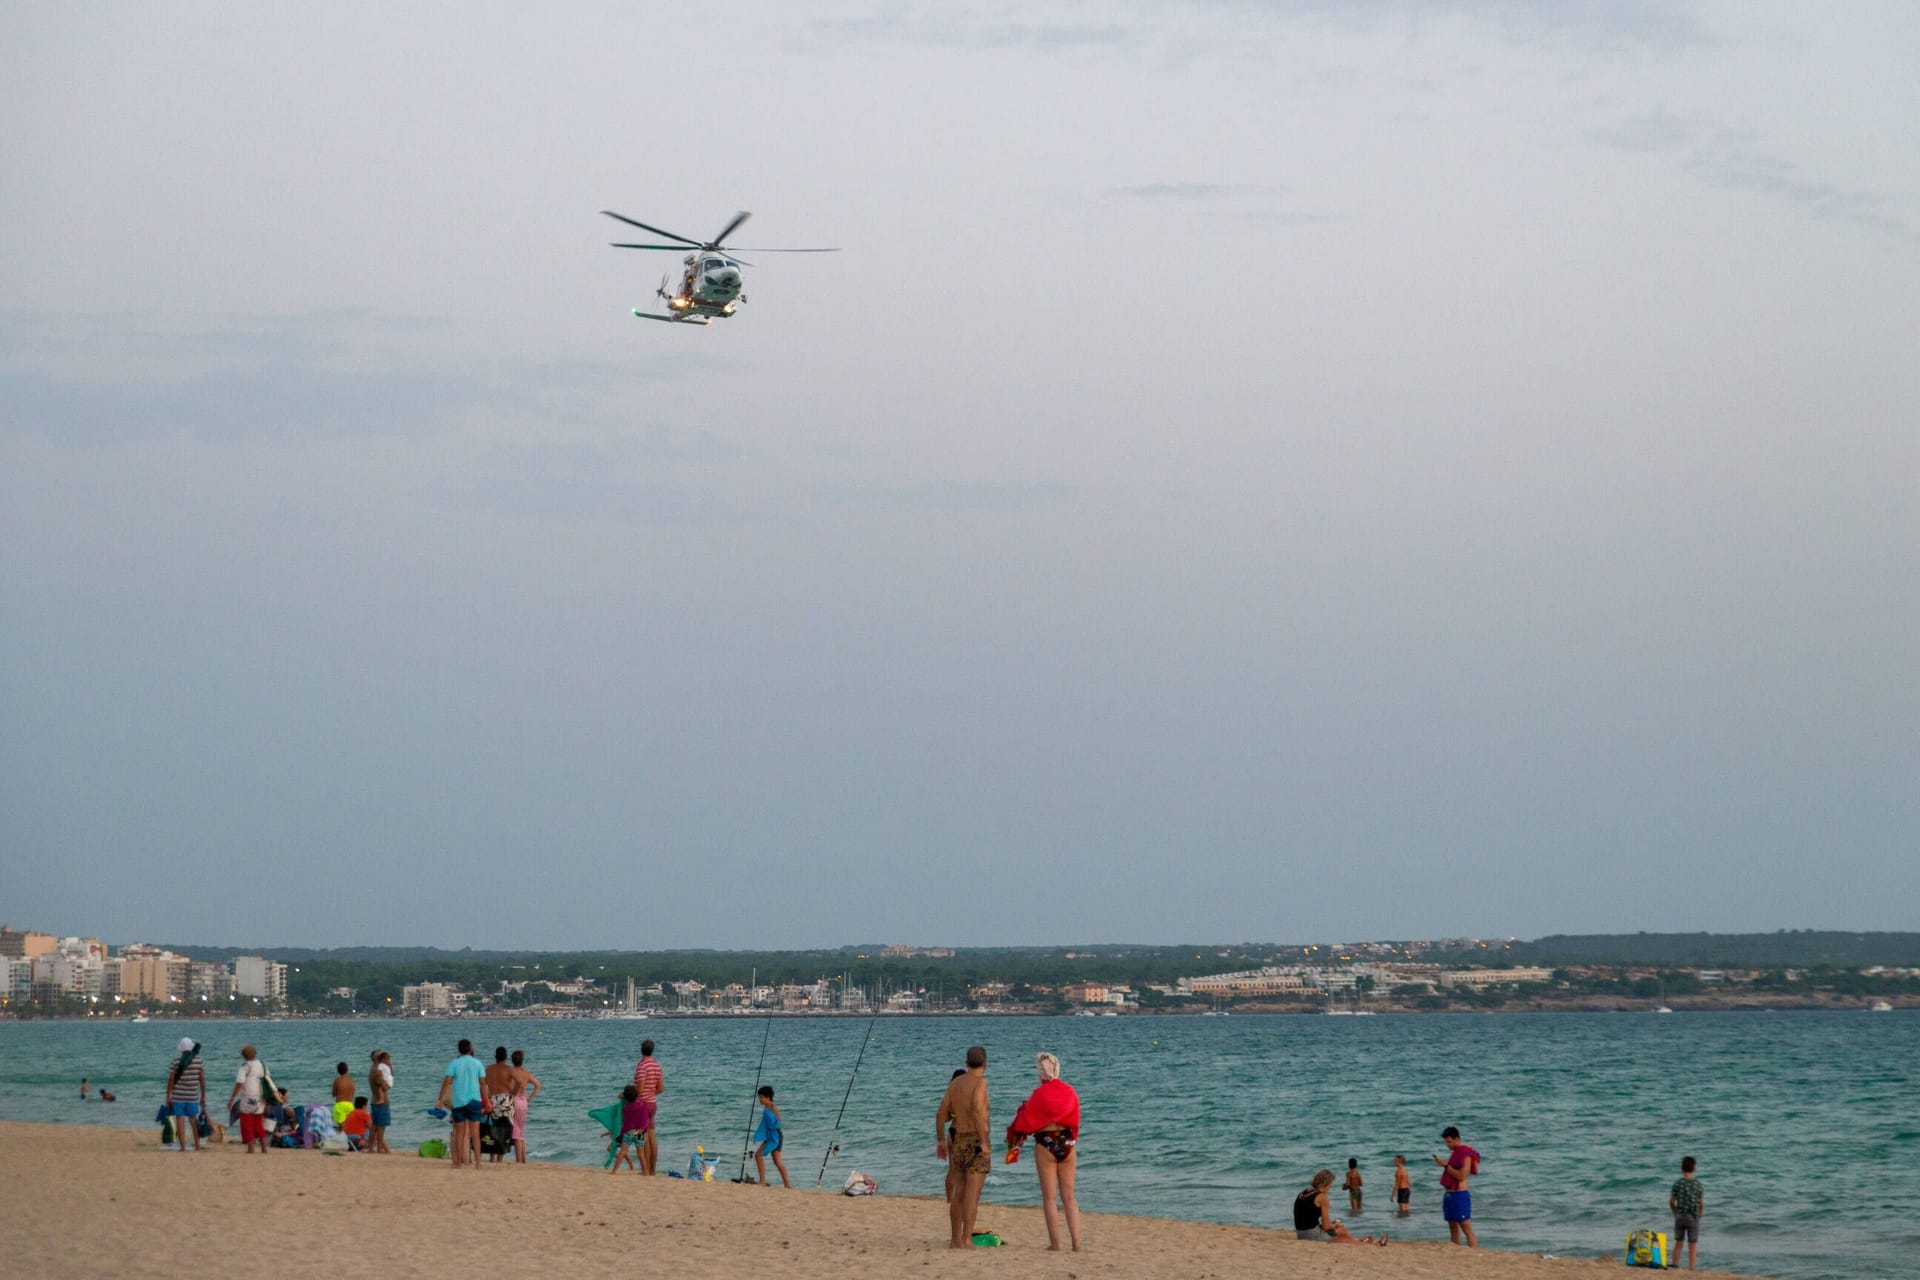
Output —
(1456, 1202)
(460, 1095)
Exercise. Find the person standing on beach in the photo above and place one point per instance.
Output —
(1688, 1201)
(965, 1105)
(498, 1091)
(460, 1095)
(651, 1081)
(1456, 1201)
(526, 1086)
(767, 1134)
(1353, 1185)
(1051, 1117)
(343, 1093)
(186, 1092)
(952, 1180)
(1402, 1187)
(380, 1089)
(249, 1087)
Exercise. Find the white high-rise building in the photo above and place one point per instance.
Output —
(259, 977)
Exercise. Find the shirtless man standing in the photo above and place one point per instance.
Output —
(965, 1105)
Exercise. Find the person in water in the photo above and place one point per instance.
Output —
(1051, 1117)
(1313, 1215)
(965, 1105)
(1402, 1187)
(1353, 1185)
(768, 1135)
(83, 1088)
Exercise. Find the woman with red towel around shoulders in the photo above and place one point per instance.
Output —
(1051, 1117)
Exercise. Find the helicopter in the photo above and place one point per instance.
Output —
(710, 283)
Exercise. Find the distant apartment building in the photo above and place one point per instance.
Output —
(1084, 993)
(1481, 979)
(428, 998)
(19, 978)
(209, 981)
(151, 973)
(25, 946)
(1250, 982)
(259, 978)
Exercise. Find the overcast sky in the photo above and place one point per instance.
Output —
(1257, 471)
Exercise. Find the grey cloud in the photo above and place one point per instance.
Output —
(943, 495)
(1735, 159)
(91, 380)
(1196, 191)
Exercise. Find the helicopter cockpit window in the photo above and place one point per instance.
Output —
(713, 264)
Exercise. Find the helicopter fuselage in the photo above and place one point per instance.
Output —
(709, 286)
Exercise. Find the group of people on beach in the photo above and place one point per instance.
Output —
(494, 1098)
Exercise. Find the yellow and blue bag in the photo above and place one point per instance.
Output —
(1647, 1249)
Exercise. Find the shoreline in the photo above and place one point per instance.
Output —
(100, 1200)
(1583, 1004)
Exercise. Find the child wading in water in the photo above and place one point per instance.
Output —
(1402, 1186)
(767, 1134)
(1353, 1185)
(636, 1117)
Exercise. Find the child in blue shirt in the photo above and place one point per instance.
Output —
(768, 1135)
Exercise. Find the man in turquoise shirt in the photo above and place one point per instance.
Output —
(460, 1094)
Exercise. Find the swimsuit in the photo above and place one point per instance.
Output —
(1058, 1142)
(968, 1154)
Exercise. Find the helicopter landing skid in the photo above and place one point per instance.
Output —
(648, 315)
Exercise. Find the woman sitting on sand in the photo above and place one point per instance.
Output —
(1051, 1117)
(1313, 1217)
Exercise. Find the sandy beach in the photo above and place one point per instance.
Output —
(88, 1201)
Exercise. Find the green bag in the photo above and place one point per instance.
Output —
(433, 1149)
(166, 1132)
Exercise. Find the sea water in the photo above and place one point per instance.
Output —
(1806, 1124)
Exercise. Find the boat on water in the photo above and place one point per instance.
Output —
(1880, 1006)
(141, 1017)
(1663, 1009)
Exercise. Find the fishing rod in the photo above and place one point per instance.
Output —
(833, 1143)
(756, 1097)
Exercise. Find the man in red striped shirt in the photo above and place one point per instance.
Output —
(651, 1082)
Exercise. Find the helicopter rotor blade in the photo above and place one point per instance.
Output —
(729, 229)
(670, 248)
(659, 231)
(793, 250)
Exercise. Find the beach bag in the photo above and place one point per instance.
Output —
(1647, 1249)
(433, 1149)
(203, 1126)
(859, 1184)
(166, 1124)
(701, 1166)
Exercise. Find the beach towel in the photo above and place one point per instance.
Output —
(609, 1118)
(1054, 1102)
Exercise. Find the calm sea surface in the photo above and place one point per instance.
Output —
(1807, 1125)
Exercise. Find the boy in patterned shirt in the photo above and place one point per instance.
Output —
(1687, 1201)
